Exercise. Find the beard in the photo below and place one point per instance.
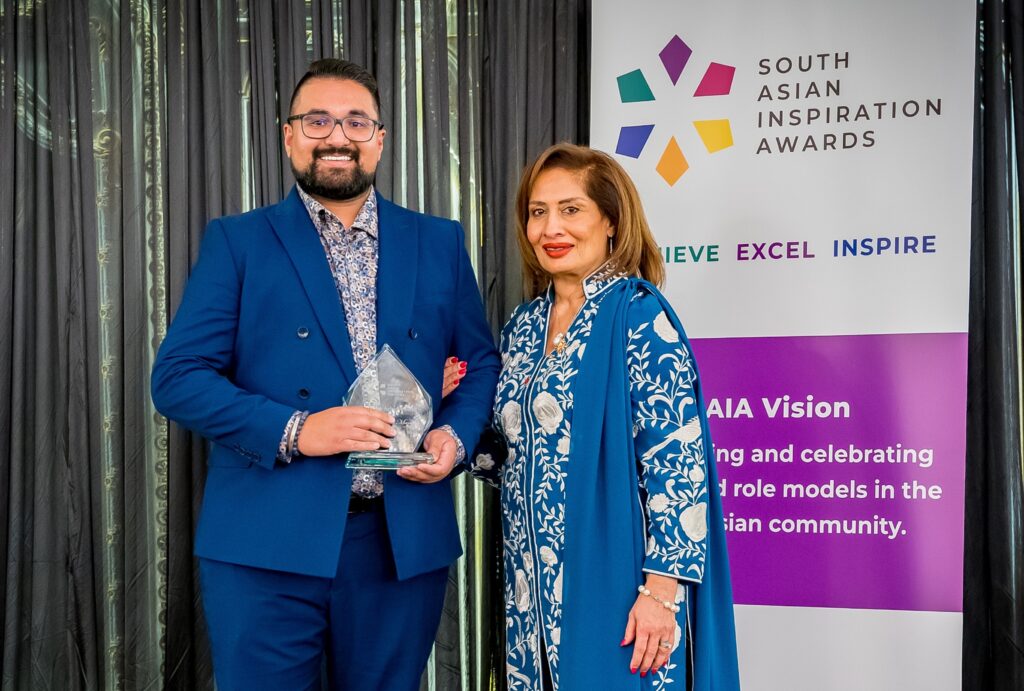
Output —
(337, 185)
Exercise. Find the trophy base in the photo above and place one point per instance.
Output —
(384, 460)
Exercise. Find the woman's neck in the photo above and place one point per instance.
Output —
(568, 291)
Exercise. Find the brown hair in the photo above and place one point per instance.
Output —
(634, 253)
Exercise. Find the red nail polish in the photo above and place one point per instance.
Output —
(623, 643)
(632, 670)
(643, 674)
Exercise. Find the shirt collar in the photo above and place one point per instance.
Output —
(366, 219)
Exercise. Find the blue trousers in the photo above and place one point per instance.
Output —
(270, 630)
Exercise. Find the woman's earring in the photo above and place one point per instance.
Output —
(611, 246)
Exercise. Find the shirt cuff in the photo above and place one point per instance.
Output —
(460, 450)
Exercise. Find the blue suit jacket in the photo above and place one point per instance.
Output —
(261, 333)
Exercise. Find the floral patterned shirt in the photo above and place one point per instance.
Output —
(534, 414)
(353, 256)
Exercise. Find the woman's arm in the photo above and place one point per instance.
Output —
(672, 479)
(669, 444)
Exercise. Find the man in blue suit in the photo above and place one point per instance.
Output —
(300, 557)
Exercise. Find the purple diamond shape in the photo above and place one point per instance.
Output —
(632, 140)
(674, 56)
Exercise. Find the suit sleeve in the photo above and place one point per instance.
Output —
(468, 408)
(668, 442)
(190, 382)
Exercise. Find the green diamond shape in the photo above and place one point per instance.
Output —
(633, 87)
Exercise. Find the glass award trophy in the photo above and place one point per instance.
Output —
(387, 384)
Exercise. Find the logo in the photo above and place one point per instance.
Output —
(715, 134)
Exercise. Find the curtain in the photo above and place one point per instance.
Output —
(51, 421)
(127, 124)
(993, 650)
(536, 88)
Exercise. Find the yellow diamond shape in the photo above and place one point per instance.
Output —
(672, 164)
(716, 134)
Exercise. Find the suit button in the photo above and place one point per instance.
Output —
(303, 393)
(413, 335)
(303, 332)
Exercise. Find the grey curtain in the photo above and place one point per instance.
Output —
(993, 651)
(536, 87)
(126, 125)
(51, 421)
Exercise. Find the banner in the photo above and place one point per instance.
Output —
(806, 168)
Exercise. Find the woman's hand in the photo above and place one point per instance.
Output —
(652, 626)
(454, 371)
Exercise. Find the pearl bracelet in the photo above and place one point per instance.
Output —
(670, 606)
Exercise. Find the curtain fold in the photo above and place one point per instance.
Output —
(48, 423)
(993, 650)
(536, 57)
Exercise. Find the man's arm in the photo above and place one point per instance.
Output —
(468, 408)
(188, 382)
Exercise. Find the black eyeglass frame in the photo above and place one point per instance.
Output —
(377, 124)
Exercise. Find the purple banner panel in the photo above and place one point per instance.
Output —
(841, 460)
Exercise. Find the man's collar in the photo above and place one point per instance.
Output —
(366, 219)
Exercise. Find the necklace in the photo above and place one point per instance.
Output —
(560, 342)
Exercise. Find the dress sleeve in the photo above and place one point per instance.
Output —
(486, 461)
(668, 441)
(491, 452)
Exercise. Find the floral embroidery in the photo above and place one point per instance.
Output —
(534, 413)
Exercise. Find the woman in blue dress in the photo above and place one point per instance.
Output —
(616, 575)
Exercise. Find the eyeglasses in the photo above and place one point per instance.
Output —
(321, 125)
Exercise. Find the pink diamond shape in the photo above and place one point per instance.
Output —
(717, 81)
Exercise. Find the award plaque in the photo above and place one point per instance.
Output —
(387, 384)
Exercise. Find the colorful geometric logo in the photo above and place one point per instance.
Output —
(634, 88)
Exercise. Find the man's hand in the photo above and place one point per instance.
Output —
(345, 428)
(442, 447)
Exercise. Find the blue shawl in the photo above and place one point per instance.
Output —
(604, 529)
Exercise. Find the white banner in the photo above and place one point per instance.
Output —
(806, 168)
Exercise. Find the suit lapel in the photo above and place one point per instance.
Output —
(291, 221)
(396, 273)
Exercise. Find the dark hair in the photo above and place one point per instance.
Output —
(333, 68)
(606, 182)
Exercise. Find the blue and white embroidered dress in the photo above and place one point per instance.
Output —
(534, 412)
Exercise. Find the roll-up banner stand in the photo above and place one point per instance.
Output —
(806, 168)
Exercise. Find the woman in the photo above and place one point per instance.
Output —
(613, 538)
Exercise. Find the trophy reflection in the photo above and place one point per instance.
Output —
(387, 384)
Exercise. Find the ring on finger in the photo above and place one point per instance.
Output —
(665, 645)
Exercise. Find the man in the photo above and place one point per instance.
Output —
(298, 555)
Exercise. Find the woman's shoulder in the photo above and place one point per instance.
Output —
(524, 311)
(651, 315)
(522, 317)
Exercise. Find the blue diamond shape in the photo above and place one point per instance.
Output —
(633, 139)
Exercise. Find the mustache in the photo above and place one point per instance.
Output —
(336, 151)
